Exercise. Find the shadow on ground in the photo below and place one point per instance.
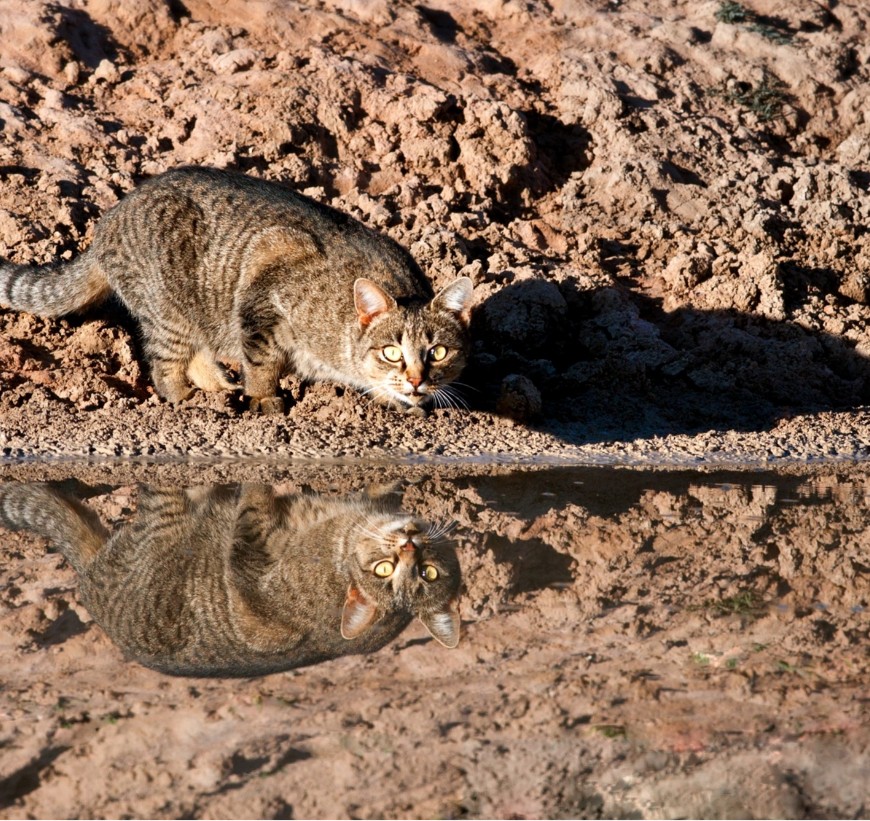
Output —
(608, 364)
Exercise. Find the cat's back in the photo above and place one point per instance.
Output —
(196, 218)
(198, 207)
(159, 587)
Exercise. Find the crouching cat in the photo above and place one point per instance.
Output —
(219, 267)
(240, 581)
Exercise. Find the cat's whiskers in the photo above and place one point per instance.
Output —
(386, 395)
(437, 399)
(441, 531)
(371, 394)
(457, 390)
(456, 384)
(447, 397)
(376, 395)
(379, 530)
(371, 529)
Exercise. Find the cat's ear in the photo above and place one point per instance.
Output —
(443, 625)
(358, 614)
(456, 297)
(370, 300)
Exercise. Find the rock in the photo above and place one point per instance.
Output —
(856, 286)
(107, 71)
(528, 317)
(519, 398)
(239, 59)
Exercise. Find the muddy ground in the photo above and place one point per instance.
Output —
(662, 206)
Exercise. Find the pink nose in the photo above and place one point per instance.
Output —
(409, 545)
(415, 380)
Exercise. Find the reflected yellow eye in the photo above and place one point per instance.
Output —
(384, 569)
(429, 573)
(438, 353)
(392, 353)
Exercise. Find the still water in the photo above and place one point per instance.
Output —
(249, 640)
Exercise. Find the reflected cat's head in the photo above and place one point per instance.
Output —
(400, 562)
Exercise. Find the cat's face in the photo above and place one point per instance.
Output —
(411, 355)
(402, 563)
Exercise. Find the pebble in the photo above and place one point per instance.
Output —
(519, 398)
(106, 71)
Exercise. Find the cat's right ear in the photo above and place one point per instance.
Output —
(456, 297)
(358, 614)
(370, 300)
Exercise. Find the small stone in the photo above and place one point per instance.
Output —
(72, 72)
(107, 71)
(519, 398)
(16, 74)
(240, 59)
(856, 286)
(53, 99)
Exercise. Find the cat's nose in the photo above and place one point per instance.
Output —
(414, 380)
(409, 545)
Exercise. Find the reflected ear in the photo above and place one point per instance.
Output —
(444, 625)
(370, 300)
(456, 297)
(358, 614)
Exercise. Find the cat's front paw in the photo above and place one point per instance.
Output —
(267, 405)
(416, 410)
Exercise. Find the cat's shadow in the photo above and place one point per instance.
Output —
(611, 364)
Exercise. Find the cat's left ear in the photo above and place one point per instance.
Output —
(456, 297)
(443, 625)
(358, 614)
(370, 300)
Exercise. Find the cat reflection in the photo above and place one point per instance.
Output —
(242, 581)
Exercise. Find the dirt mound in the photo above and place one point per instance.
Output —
(662, 208)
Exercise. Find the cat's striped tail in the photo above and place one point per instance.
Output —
(68, 524)
(54, 289)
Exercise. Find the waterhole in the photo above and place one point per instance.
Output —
(631, 643)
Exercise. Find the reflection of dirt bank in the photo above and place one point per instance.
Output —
(662, 210)
(634, 644)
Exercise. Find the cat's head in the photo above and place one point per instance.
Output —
(411, 354)
(401, 563)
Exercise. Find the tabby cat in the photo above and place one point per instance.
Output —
(219, 267)
(241, 581)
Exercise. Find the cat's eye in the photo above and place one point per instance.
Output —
(384, 569)
(438, 353)
(429, 572)
(392, 353)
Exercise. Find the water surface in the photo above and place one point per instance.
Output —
(633, 643)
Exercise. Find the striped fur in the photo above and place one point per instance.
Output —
(238, 581)
(222, 267)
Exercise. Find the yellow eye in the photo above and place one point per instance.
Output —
(392, 353)
(429, 573)
(384, 569)
(438, 353)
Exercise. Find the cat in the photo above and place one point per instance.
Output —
(241, 581)
(220, 267)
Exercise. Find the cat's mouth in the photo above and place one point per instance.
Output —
(415, 396)
(412, 397)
